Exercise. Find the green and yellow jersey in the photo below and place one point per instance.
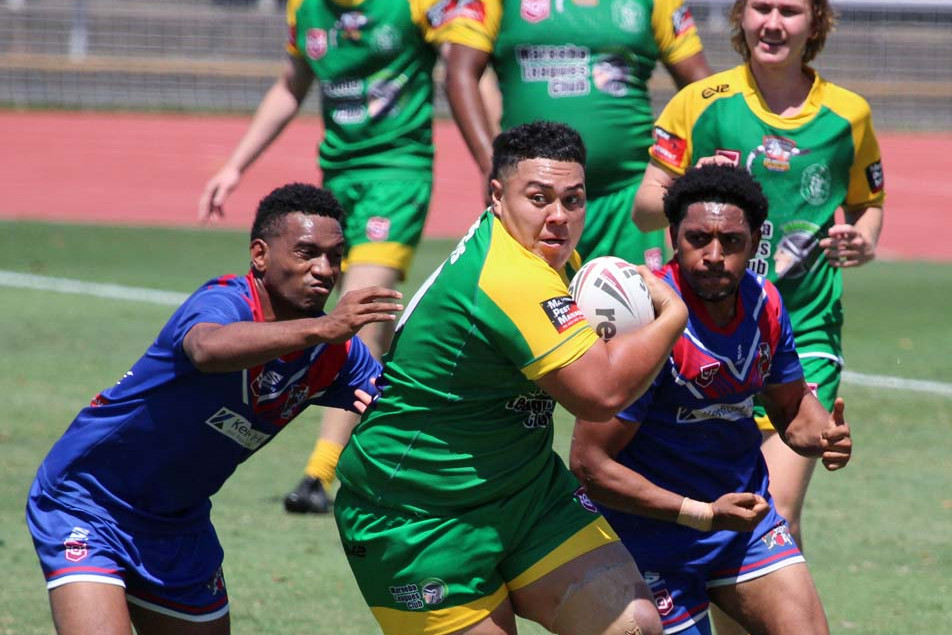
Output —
(460, 421)
(808, 165)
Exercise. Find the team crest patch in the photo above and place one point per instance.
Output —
(629, 16)
(217, 584)
(764, 359)
(582, 497)
(668, 147)
(663, 601)
(654, 258)
(434, 591)
(562, 312)
(815, 184)
(874, 176)
(706, 374)
(777, 152)
(448, 10)
(316, 41)
(778, 537)
(76, 544)
(378, 228)
(533, 11)
(682, 21)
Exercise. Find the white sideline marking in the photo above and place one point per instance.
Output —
(96, 289)
(173, 298)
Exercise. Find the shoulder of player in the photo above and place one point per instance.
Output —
(842, 101)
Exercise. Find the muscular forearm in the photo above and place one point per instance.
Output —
(611, 484)
(465, 67)
(216, 348)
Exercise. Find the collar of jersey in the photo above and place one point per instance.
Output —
(755, 100)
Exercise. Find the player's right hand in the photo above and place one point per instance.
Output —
(212, 203)
(356, 309)
(739, 511)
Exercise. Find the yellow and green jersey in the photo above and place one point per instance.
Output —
(808, 165)
(585, 63)
(460, 421)
(374, 65)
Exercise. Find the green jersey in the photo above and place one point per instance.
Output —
(374, 67)
(460, 421)
(585, 63)
(808, 165)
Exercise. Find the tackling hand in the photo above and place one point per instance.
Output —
(357, 309)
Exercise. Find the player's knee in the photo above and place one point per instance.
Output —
(610, 601)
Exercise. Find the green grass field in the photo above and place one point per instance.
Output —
(877, 534)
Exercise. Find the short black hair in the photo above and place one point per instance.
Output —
(714, 183)
(288, 199)
(536, 140)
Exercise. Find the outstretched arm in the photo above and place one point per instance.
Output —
(594, 448)
(222, 348)
(806, 426)
(279, 106)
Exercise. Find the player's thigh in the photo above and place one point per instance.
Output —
(80, 608)
(149, 622)
(783, 602)
(790, 475)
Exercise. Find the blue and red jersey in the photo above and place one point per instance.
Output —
(154, 447)
(697, 436)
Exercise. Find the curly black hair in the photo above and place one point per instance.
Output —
(288, 199)
(714, 183)
(536, 140)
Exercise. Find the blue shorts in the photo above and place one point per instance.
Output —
(176, 574)
(680, 573)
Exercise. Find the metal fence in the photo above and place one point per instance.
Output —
(222, 55)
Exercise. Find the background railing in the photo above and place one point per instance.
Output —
(221, 55)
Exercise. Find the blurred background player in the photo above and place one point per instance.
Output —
(374, 66)
(679, 474)
(119, 510)
(811, 146)
(586, 64)
(455, 512)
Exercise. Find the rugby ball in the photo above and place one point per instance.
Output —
(612, 296)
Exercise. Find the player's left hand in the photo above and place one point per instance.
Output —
(846, 246)
(836, 441)
(363, 399)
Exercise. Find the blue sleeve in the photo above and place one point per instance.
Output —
(358, 370)
(786, 363)
(212, 303)
(639, 410)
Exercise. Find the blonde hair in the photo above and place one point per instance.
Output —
(824, 19)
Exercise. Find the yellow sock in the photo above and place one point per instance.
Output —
(322, 463)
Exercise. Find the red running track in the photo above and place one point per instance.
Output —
(149, 169)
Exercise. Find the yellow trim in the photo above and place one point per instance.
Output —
(387, 254)
(597, 534)
(480, 35)
(438, 621)
(671, 47)
(764, 424)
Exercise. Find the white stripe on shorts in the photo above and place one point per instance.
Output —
(188, 617)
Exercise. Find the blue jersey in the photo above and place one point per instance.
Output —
(697, 436)
(152, 449)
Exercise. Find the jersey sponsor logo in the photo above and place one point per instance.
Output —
(351, 24)
(562, 312)
(875, 177)
(629, 16)
(565, 68)
(706, 374)
(722, 411)
(710, 91)
(538, 407)
(731, 155)
(682, 21)
(434, 591)
(409, 595)
(533, 11)
(76, 544)
(777, 152)
(778, 537)
(316, 43)
(668, 148)
(238, 429)
(446, 11)
(798, 250)
(581, 496)
(758, 264)
(609, 75)
(816, 183)
(378, 228)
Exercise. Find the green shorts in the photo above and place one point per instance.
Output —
(439, 574)
(822, 373)
(609, 231)
(385, 218)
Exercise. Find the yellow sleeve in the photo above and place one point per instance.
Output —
(472, 23)
(537, 303)
(866, 188)
(674, 31)
(291, 15)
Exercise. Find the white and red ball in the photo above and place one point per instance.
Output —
(612, 296)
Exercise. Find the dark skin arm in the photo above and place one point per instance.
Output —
(595, 444)
(806, 426)
(464, 68)
(688, 70)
